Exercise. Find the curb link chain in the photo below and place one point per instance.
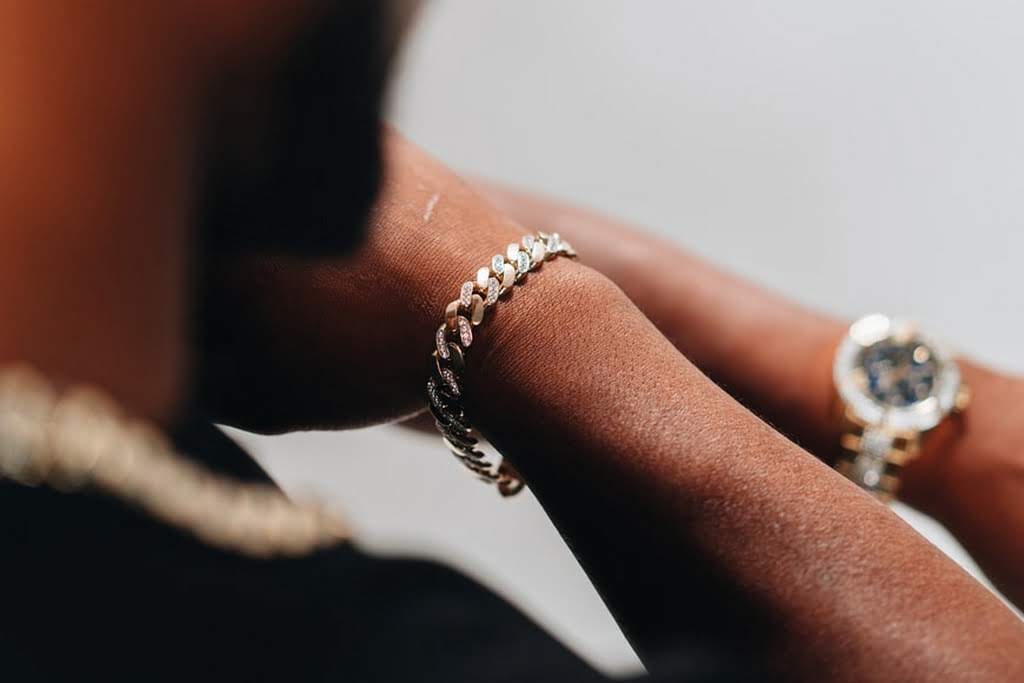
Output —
(453, 339)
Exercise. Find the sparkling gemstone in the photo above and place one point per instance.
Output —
(441, 342)
(875, 443)
(528, 242)
(554, 243)
(868, 470)
(493, 289)
(539, 252)
(522, 262)
(512, 252)
(439, 402)
(449, 379)
(465, 332)
(465, 294)
(497, 263)
(432, 395)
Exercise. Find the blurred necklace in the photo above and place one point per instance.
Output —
(79, 438)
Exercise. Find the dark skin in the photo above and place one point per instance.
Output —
(970, 477)
(689, 512)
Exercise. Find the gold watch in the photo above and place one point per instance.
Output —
(895, 385)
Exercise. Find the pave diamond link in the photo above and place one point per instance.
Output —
(441, 342)
(444, 390)
(875, 443)
(493, 290)
(465, 294)
(522, 263)
(869, 465)
(465, 332)
(872, 456)
(451, 382)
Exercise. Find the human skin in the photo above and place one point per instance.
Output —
(776, 358)
(689, 512)
(86, 162)
(100, 138)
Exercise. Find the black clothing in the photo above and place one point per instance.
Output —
(93, 589)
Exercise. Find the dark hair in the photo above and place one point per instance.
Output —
(305, 184)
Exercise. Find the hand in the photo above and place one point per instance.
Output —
(776, 357)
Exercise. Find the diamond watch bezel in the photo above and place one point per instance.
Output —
(919, 416)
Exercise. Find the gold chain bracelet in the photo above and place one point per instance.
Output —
(454, 337)
(79, 438)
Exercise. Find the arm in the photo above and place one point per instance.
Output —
(773, 354)
(690, 514)
(776, 357)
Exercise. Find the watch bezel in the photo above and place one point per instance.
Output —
(919, 416)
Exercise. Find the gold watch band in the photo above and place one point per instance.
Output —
(896, 389)
(873, 456)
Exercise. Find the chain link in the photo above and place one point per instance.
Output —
(79, 438)
(453, 339)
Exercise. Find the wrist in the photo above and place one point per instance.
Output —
(972, 450)
(546, 368)
(551, 313)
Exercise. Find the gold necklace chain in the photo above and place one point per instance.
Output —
(79, 438)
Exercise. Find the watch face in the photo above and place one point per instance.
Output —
(887, 371)
(898, 373)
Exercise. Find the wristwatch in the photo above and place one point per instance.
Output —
(895, 386)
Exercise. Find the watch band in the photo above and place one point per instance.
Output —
(896, 390)
(873, 456)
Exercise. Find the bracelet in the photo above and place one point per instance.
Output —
(454, 337)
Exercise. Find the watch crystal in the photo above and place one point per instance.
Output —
(899, 373)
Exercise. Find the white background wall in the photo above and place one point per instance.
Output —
(855, 156)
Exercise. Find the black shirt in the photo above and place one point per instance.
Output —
(93, 589)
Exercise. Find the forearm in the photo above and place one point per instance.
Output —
(692, 515)
(776, 357)
(773, 354)
(299, 344)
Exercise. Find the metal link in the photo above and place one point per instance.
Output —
(444, 390)
(873, 457)
(78, 438)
